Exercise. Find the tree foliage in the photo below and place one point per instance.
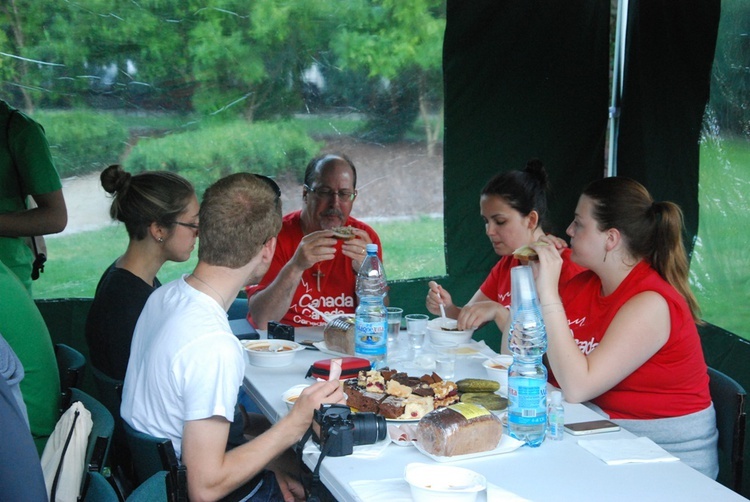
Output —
(223, 57)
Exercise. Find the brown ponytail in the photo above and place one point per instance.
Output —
(652, 230)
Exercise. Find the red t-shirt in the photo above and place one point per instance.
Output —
(337, 277)
(496, 286)
(674, 382)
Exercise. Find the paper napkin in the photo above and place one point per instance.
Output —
(397, 490)
(625, 451)
(361, 451)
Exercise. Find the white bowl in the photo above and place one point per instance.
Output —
(291, 395)
(440, 336)
(430, 482)
(497, 369)
(271, 353)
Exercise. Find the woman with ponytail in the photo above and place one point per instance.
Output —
(514, 209)
(634, 353)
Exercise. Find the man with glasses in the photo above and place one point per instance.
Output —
(186, 365)
(313, 271)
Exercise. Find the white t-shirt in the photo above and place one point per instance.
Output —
(185, 363)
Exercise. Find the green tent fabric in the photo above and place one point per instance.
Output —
(522, 80)
(670, 50)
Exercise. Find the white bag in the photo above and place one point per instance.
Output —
(64, 457)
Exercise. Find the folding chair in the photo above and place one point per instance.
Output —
(70, 364)
(729, 401)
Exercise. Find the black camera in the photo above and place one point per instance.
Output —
(341, 430)
(279, 331)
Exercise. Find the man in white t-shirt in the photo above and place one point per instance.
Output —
(186, 366)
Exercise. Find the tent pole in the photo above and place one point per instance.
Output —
(618, 70)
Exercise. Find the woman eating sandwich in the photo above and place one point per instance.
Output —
(513, 206)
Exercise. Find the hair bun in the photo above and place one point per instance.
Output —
(115, 179)
(535, 168)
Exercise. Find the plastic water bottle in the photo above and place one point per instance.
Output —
(555, 416)
(527, 400)
(527, 376)
(527, 336)
(371, 316)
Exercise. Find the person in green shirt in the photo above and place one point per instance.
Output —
(24, 329)
(26, 170)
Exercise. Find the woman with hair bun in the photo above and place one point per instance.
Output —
(514, 208)
(635, 352)
(160, 213)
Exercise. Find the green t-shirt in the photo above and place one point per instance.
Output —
(25, 331)
(26, 144)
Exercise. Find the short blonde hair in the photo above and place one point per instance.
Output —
(239, 213)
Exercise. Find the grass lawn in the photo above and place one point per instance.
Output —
(78, 261)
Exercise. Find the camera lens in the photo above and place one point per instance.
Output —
(368, 428)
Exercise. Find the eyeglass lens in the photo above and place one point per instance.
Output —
(344, 195)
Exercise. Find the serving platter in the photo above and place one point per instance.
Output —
(507, 444)
(395, 420)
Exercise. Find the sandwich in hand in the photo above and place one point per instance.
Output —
(525, 254)
(343, 233)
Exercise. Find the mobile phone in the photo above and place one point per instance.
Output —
(592, 427)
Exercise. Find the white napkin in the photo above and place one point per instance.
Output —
(625, 451)
(397, 490)
(360, 451)
(475, 348)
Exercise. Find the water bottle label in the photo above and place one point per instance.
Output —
(527, 400)
(371, 337)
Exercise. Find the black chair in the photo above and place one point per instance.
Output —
(98, 489)
(150, 454)
(238, 309)
(110, 394)
(101, 431)
(729, 401)
(154, 489)
(70, 364)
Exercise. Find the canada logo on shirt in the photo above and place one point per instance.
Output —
(586, 346)
(503, 299)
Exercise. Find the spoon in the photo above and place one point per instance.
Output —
(442, 311)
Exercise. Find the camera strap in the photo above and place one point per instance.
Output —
(313, 490)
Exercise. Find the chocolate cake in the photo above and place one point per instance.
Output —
(361, 400)
(392, 407)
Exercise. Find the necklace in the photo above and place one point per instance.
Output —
(224, 302)
(318, 275)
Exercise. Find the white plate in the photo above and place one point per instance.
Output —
(402, 420)
(506, 445)
(403, 435)
(321, 346)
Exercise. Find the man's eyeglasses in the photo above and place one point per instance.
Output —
(327, 193)
(194, 226)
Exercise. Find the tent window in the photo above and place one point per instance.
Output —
(208, 90)
(720, 267)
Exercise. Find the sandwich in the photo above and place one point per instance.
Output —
(343, 233)
(525, 254)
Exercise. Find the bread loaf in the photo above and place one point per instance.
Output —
(339, 334)
(459, 429)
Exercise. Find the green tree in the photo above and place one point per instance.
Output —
(400, 42)
(71, 52)
(248, 55)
